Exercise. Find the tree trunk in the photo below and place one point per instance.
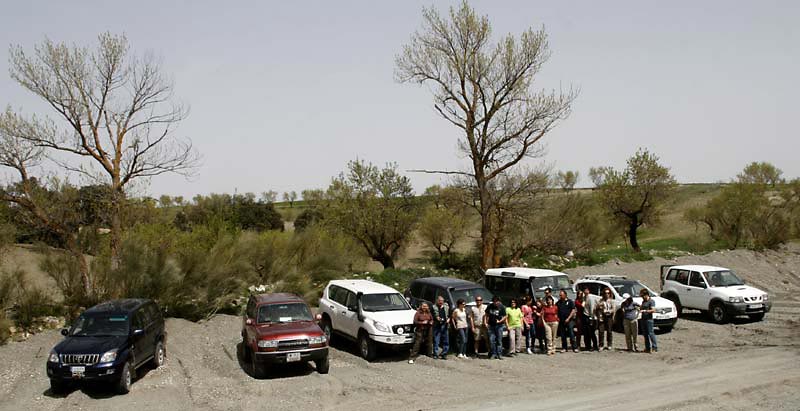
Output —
(634, 225)
(487, 241)
(83, 266)
(118, 197)
(385, 259)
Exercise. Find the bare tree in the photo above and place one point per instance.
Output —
(290, 197)
(485, 90)
(114, 115)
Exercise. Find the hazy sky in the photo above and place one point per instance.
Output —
(283, 94)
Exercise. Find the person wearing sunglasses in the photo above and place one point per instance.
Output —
(479, 331)
(606, 314)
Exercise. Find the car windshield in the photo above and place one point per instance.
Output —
(384, 302)
(469, 294)
(722, 279)
(283, 313)
(555, 282)
(100, 325)
(631, 287)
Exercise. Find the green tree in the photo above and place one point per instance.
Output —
(376, 207)
(761, 173)
(484, 89)
(636, 196)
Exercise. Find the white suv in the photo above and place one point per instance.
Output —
(367, 312)
(666, 312)
(716, 290)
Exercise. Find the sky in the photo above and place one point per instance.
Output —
(283, 94)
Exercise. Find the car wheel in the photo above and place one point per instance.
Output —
(259, 369)
(160, 355)
(327, 328)
(125, 379)
(665, 329)
(677, 301)
(245, 350)
(717, 313)
(323, 365)
(756, 317)
(57, 387)
(366, 347)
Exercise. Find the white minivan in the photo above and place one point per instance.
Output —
(369, 313)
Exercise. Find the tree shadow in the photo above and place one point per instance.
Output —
(96, 389)
(384, 355)
(277, 371)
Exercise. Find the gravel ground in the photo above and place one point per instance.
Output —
(742, 365)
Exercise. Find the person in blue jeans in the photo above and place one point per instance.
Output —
(648, 307)
(495, 320)
(566, 321)
(441, 335)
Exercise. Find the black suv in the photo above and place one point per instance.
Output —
(107, 343)
(452, 289)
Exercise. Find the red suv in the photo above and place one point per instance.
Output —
(279, 328)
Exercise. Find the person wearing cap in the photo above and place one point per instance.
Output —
(495, 320)
(646, 322)
(630, 312)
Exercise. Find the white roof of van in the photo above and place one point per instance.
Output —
(364, 286)
(701, 268)
(522, 272)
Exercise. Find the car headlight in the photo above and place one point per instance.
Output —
(381, 326)
(109, 356)
(53, 357)
(318, 340)
(765, 297)
(735, 299)
(267, 343)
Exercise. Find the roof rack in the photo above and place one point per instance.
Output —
(604, 277)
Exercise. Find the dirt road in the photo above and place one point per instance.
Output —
(742, 365)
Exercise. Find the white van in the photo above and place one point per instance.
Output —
(517, 282)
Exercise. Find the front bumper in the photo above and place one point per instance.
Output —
(281, 357)
(394, 341)
(665, 322)
(96, 372)
(746, 309)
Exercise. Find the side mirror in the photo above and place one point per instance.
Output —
(318, 317)
(137, 333)
(65, 331)
(353, 308)
(249, 321)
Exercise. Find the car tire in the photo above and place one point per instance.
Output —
(717, 313)
(677, 301)
(125, 379)
(327, 328)
(245, 351)
(57, 387)
(756, 317)
(366, 347)
(159, 355)
(259, 368)
(665, 329)
(323, 365)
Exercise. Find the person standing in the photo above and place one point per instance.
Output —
(441, 319)
(495, 320)
(479, 331)
(460, 324)
(514, 315)
(538, 323)
(589, 320)
(577, 330)
(550, 316)
(630, 312)
(566, 321)
(528, 329)
(423, 323)
(648, 308)
(606, 314)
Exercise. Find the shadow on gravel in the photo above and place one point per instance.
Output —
(97, 392)
(384, 355)
(702, 317)
(299, 369)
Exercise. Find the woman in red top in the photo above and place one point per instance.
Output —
(550, 317)
(579, 310)
(539, 324)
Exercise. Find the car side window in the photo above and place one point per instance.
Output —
(251, 308)
(416, 290)
(696, 280)
(441, 292)
(152, 310)
(682, 277)
(138, 320)
(593, 287)
(429, 293)
(672, 275)
(336, 294)
(351, 299)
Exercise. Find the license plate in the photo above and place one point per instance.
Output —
(293, 356)
(751, 306)
(77, 371)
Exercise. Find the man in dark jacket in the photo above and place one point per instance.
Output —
(441, 319)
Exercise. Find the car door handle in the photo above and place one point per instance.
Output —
(332, 307)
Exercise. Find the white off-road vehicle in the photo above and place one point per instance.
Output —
(715, 290)
(666, 312)
(515, 282)
(369, 313)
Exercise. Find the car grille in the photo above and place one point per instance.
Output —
(407, 329)
(82, 359)
(666, 310)
(287, 345)
(752, 299)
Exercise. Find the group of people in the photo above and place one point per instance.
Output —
(588, 316)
